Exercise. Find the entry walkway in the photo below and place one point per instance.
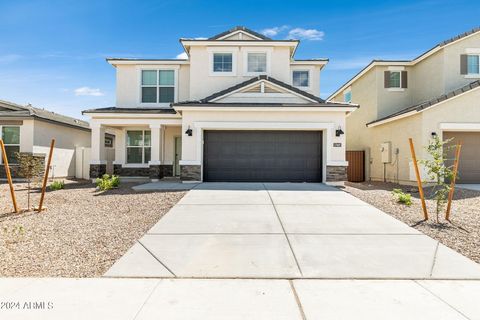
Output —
(286, 231)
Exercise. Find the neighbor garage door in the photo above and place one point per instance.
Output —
(469, 165)
(270, 156)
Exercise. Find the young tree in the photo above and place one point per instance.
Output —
(31, 168)
(438, 171)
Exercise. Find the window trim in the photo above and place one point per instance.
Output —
(473, 75)
(233, 51)
(268, 53)
(309, 78)
(157, 69)
(213, 62)
(137, 164)
(11, 144)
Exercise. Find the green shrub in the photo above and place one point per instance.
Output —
(402, 197)
(107, 182)
(57, 185)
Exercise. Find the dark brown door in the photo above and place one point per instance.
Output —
(469, 165)
(356, 166)
(268, 156)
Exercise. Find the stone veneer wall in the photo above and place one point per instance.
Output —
(14, 168)
(97, 170)
(336, 173)
(191, 173)
(153, 171)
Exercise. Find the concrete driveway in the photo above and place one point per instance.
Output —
(286, 231)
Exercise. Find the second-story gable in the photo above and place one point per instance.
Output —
(212, 65)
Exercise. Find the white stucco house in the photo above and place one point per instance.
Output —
(30, 130)
(239, 108)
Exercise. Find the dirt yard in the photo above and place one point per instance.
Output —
(462, 234)
(82, 232)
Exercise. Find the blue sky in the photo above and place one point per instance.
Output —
(52, 53)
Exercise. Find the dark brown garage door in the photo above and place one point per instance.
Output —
(269, 156)
(469, 165)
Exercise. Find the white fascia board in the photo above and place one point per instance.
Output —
(132, 115)
(249, 43)
(134, 121)
(309, 63)
(239, 31)
(147, 62)
(270, 109)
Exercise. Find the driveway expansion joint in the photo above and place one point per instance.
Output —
(156, 258)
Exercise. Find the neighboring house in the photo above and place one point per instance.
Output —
(240, 108)
(437, 93)
(28, 129)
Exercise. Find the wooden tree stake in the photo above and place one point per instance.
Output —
(452, 183)
(419, 179)
(45, 178)
(9, 177)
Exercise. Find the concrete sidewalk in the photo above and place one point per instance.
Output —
(180, 299)
(286, 231)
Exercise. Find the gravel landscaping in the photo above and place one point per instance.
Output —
(82, 232)
(462, 234)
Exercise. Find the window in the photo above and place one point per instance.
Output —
(222, 62)
(257, 62)
(347, 96)
(11, 139)
(473, 64)
(301, 78)
(138, 146)
(158, 86)
(394, 81)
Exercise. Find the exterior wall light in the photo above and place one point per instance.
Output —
(434, 134)
(339, 132)
(189, 132)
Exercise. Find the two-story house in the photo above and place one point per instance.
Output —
(437, 93)
(240, 108)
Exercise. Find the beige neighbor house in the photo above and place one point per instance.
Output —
(437, 93)
(30, 130)
(240, 108)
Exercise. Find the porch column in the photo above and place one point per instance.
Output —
(98, 163)
(155, 162)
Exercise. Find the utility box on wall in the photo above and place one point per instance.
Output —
(386, 152)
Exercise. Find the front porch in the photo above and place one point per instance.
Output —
(147, 149)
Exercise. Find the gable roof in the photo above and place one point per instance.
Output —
(426, 104)
(239, 28)
(412, 62)
(10, 109)
(211, 99)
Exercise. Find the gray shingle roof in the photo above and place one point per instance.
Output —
(11, 109)
(421, 106)
(241, 28)
(250, 81)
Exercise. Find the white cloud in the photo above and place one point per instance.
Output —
(305, 34)
(182, 55)
(87, 91)
(272, 32)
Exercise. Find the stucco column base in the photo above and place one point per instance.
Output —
(336, 175)
(190, 172)
(97, 170)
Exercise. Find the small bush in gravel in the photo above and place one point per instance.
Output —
(13, 235)
(107, 182)
(402, 197)
(57, 185)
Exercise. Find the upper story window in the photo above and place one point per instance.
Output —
(395, 79)
(301, 78)
(222, 62)
(158, 86)
(473, 64)
(11, 139)
(257, 62)
(347, 96)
